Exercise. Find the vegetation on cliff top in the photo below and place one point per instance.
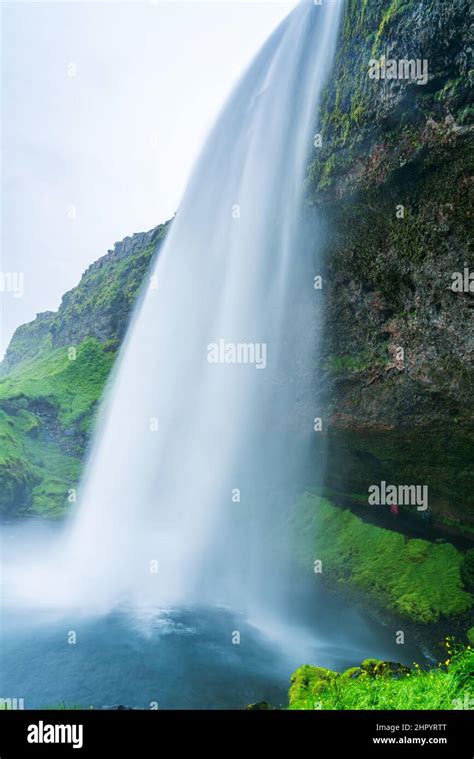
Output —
(54, 374)
(99, 306)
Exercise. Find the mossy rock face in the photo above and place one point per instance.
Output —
(376, 668)
(405, 421)
(388, 146)
(50, 404)
(415, 579)
(373, 127)
(309, 681)
(467, 570)
(17, 480)
(261, 706)
(353, 673)
(380, 668)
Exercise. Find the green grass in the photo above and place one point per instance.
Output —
(49, 406)
(413, 578)
(71, 387)
(448, 686)
(35, 475)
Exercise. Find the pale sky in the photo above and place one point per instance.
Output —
(104, 107)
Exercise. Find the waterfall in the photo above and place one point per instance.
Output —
(198, 431)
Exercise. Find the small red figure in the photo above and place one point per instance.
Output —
(394, 510)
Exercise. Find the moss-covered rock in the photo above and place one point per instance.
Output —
(415, 579)
(36, 475)
(380, 668)
(468, 569)
(386, 685)
(309, 682)
(260, 706)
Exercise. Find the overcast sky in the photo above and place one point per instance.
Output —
(104, 108)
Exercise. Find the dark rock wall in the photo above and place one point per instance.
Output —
(403, 416)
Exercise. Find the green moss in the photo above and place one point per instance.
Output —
(470, 635)
(395, 9)
(355, 363)
(35, 475)
(466, 115)
(355, 119)
(413, 578)
(308, 682)
(51, 401)
(103, 289)
(468, 568)
(70, 386)
(49, 497)
(450, 89)
(384, 685)
(18, 475)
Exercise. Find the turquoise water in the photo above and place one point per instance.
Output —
(179, 659)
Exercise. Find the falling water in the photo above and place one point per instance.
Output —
(197, 433)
